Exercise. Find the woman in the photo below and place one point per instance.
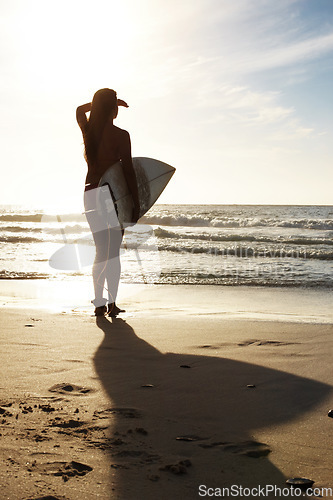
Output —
(105, 144)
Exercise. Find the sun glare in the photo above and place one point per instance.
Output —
(72, 45)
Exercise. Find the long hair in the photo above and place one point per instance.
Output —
(103, 103)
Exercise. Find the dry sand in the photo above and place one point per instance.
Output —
(192, 387)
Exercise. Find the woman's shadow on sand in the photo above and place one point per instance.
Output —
(179, 421)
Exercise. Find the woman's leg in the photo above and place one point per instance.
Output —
(98, 223)
(113, 266)
(99, 270)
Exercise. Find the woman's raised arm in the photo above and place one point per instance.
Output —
(81, 114)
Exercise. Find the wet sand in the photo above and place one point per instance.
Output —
(194, 386)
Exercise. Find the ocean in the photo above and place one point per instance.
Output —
(236, 245)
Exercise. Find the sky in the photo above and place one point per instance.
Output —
(235, 94)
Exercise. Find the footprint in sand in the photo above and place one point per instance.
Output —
(4, 412)
(69, 424)
(190, 438)
(48, 497)
(122, 412)
(66, 388)
(256, 342)
(252, 449)
(178, 468)
(64, 469)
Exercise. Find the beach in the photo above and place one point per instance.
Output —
(194, 387)
(176, 167)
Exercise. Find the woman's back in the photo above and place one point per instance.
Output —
(110, 150)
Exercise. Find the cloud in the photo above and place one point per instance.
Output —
(254, 107)
(227, 64)
(240, 108)
(290, 54)
(257, 36)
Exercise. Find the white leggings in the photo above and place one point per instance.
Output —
(108, 236)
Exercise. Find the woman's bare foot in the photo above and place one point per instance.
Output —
(100, 311)
(114, 310)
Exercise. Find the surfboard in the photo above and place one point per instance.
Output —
(152, 176)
